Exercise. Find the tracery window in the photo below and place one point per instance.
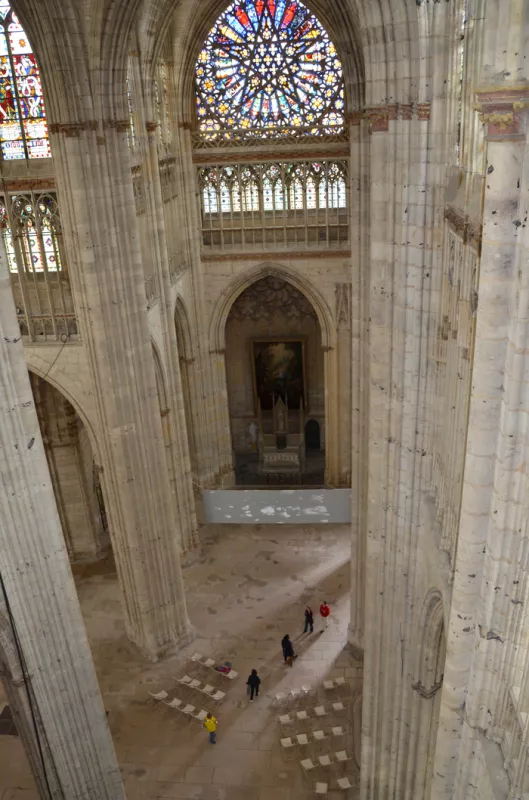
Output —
(31, 229)
(269, 66)
(273, 187)
(23, 126)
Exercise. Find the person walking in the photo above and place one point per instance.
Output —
(288, 650)
(309, 620)
(253, 683)
(210, 724)
(324, 613)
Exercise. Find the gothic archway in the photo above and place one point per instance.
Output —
(76, 477)
(274, 360)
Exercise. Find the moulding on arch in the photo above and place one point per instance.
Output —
(240, 283)
(61, 381)
(277, 255)
(379, 117)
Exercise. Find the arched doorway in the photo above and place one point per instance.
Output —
(75, 476)
(312, 436)
(275, 378)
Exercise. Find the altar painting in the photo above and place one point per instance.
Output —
(279, 372)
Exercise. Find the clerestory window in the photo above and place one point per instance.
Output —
(273, 187)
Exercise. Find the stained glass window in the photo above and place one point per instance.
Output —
(31, 230)
(268, 65)
(23, 126)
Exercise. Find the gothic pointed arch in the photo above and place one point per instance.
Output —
(242, 282)
(67, 388)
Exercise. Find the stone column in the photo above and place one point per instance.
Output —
(332, 421)
(97, 203)
(398, 330)
(40, 589)
(359, 221)
(489, 541)
(185, 517)
(213, 432)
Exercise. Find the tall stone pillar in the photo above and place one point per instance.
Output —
(40, 589)
(95, 187)
(485, 600)
(398, 329)
(185, 503)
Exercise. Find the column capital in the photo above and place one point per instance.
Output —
(504, 111)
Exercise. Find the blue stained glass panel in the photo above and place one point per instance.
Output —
(270, 66)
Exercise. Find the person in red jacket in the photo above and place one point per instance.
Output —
(324, 613)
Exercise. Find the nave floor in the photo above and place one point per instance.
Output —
(247, 589)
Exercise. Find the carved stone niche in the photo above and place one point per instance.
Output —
(269, 296)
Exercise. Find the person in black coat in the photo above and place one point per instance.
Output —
(288, 649)
(253, 683)
(309, 620)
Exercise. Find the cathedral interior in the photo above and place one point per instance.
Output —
(260, 261)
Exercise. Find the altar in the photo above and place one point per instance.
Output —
(281, 439)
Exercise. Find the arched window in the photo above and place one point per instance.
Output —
(268, 66)
(295, 183)
(273, 188)
(37, 228)
(23, 126)
(209, 182)
(250, 190)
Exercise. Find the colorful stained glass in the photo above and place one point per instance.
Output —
(23, 126)
(37, 227)
(268, 65)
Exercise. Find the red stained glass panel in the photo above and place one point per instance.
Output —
(23, 126)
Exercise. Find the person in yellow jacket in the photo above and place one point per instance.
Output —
(210, 724)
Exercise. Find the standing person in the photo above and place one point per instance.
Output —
(253, 683)
(309, 620)
(210, 724)
(288, 650)
(324, 613)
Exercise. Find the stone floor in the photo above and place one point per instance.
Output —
(247, 589)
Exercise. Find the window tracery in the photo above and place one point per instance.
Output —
(31, 229)
(23, 126)
(273, 187)
(268, 65)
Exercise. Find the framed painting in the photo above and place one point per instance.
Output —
(278, 371)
